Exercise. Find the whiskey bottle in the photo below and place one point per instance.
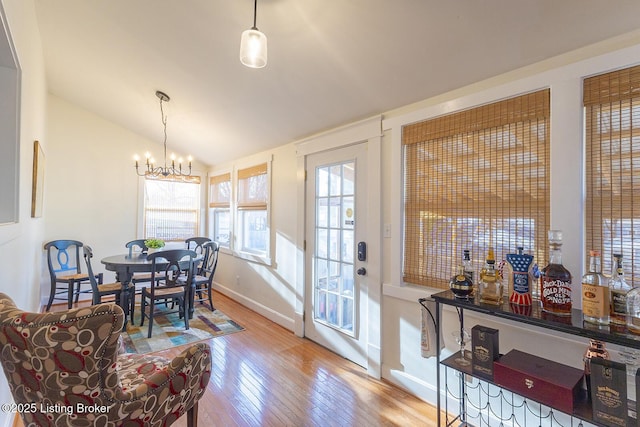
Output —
(595, 293)
(633, 310)
(555, 280)
(490, 284)
(618, 289)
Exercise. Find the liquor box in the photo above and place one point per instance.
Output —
(485, 349)
(609, 392)
(545, 381)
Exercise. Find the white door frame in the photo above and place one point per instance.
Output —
(368, 131)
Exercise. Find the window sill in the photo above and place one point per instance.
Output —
(408, 292)
(253, 258)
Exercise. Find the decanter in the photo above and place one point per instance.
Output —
(490, 285)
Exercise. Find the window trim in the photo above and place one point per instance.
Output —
(514, 113)
(235, 223)
(211, 210)
(140, 225)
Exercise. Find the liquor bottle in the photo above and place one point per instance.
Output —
(490, 284)
(460, 284)
(468, 266)
(633, 310)
(595, 293)
(555, 280)
(520, 265)
(618, 288)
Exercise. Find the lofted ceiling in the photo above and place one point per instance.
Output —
(331, 62)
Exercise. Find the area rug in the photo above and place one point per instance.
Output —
(168, 330)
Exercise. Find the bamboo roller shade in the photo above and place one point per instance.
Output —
(474, 179)
(612, 134)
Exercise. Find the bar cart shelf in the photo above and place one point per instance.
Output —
(572, 325)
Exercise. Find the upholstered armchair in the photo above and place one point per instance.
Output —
(65, 369)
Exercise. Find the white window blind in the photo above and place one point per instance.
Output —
(171, 207)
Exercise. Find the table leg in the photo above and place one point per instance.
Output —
(124, 277)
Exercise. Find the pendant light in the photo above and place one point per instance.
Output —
(253, 44)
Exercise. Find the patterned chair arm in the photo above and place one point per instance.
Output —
(174, 386)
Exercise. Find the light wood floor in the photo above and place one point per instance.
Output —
(267, 376)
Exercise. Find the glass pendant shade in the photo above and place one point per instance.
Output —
(253, 48)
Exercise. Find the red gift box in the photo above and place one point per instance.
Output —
(545, 381)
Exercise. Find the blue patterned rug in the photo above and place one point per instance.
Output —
(168, 330)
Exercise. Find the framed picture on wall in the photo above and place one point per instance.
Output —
(37, 187)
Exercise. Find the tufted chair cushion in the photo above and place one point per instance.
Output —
(65, 369)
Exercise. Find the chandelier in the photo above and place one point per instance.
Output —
(155, 171)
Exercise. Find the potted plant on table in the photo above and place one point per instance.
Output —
(154, 245)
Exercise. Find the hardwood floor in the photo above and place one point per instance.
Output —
(267, 376)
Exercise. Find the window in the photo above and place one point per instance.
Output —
(612, 168)
(252, 194)
(220, 204)
(475, 179)
(171, 207)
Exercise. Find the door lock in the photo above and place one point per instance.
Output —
(361, 271)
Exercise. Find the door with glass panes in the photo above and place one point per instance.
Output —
(336, 291)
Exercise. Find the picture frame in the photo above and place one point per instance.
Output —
(37, 187)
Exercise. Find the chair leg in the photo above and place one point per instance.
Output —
(143, 306)
(77, 292)
(51, 296)
(132, 301)
(70, 292)
(186, 315)
(192, 415)
(209, 293)
(151, 307)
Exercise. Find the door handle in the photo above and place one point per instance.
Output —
(361, 271)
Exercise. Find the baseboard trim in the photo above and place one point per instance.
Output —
(274, 316)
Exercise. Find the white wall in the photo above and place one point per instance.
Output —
(21, 243)
(269, 290)
(92, 192)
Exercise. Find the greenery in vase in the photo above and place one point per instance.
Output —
(154, 243)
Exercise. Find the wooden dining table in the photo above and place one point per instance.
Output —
(124, 265)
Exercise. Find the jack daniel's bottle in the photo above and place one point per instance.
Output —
(555, 280)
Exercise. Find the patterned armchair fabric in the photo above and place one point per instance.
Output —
(64, 369)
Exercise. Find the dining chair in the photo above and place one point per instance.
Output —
(72, 360)
(136, 246)
(63, 260)
(108, 289)
(174, 286)
(203, 280)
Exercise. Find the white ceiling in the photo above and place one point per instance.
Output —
(331, 62)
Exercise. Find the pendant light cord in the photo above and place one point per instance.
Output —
(164, 124)
(255, 13)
